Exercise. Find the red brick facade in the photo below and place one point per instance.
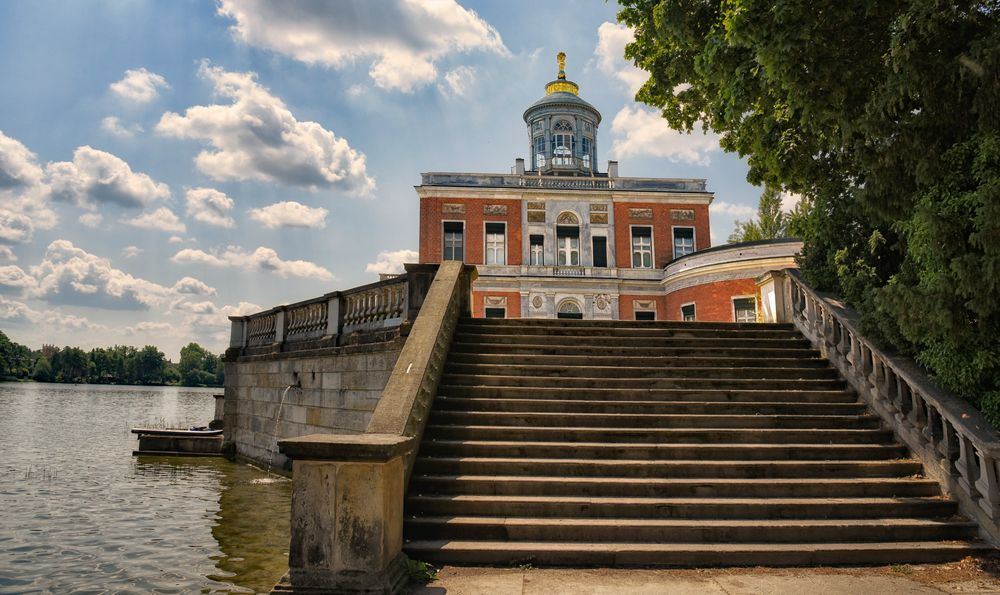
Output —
(662, 222)
(513, 302)
(713, 301)
(432, 215)
(626, 305)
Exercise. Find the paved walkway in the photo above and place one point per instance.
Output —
(964, 577)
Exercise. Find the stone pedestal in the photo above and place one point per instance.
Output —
(347, 514)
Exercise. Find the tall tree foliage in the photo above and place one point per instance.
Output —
(770, 223)
(887, 116)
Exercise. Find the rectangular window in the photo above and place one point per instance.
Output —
(568, 243)
(642, 247)
(683, 241)
(496, 245)
(536, 250)
(539, 152)
(645, 315)
(687, 313)
(454, 240)
(496, 313)
(745, 309)
(600, 251)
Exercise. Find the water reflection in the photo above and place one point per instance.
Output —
(80, 514)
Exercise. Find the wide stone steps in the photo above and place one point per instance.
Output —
(799, 553)
(448, 405)
(679, 469)
(659, 436)
(706, 382)
(687, 530)
(622, 443)
(660, 487)
(646, 393)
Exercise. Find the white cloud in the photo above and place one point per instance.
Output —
(18, 313)
(7, 254)
(458, 81)
(14, 277)
(610, 53)
(132, 251)
(24, 206)
(732, 210)
(175, 240)
(256, 137)
(192, 286)
(147, 327)
(162, 219)
(789, 200)
(139, 86)
(639, 131)
(210, 206)
(113, 125)
(392, 262)
(205, 307)
(261, 259)
(403, 38)
(91, 220)
(289, 214)
(99, 177)
(70, 275)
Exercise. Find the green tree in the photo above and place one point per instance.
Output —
(71, 364)
(43, 370)
(887, 115)
(770, 223)
(150, 364)
(197, 366)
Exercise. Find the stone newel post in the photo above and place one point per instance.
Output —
(347, 514)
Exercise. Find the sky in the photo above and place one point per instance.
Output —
(165, 165)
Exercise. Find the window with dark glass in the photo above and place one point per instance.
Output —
(645, 315)
(539, 152)
(642, 247)
(683, 241)
(536, 250)
(454, 241)
(568, 244)
(600, 251)
(687, 313)
(745, 310)
(496, 244)
(496, 313)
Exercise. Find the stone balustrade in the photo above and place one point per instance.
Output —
(958, 446)
(529, 180)
(325, 320)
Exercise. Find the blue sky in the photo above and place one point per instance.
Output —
(166, 164)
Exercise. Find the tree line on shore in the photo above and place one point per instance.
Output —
(120, 364)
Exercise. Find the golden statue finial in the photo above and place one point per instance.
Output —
(561, 85)
(561, 59)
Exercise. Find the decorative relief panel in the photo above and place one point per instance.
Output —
(494, 209)
(682, 214)
(597, 207)
(602, 302)
(537, 302)
(536, 206)
(567, 218)
(536, 216)
(450, 208)
(599, 218)
(640, 213)
(644, 305)
(495, 300)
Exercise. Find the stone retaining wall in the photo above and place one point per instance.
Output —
(334, 390)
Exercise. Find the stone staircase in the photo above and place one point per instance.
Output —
(620, 443)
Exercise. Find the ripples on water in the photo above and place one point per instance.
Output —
(80, 514)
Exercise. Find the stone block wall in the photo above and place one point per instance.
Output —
(334, 390)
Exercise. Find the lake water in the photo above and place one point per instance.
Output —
(80, 514)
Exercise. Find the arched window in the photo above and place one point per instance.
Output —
(563, 125)
(567, 239)
(569, 308)
(563, 143)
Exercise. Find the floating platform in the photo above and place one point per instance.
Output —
(178, 442)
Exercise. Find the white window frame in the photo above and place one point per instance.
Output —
(652, 246)
(486, 244)
(465, 238)
(695, 306)
(531, 256)
(732, 301)
(570, 249)
(673, 240)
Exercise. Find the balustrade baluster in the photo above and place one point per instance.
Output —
(987, 484)
(968, 470)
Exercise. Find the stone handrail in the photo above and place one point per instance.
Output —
(958, 446)
(380, 305)
(533, 180)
